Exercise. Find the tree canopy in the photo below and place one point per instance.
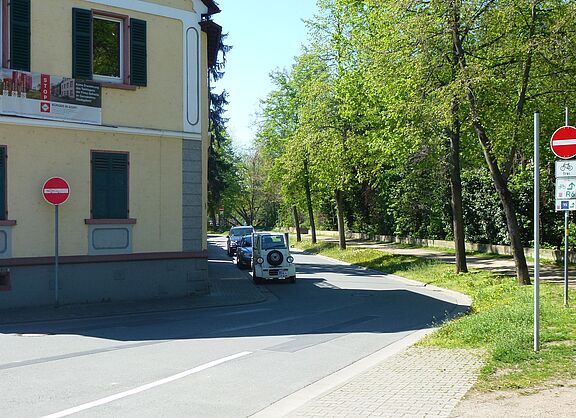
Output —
(414, 118)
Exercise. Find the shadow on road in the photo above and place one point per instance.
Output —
(370, 303)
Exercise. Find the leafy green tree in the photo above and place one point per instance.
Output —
(221, 170)
(283, 141)
(413, 117)
(250, 201)
(498, 46)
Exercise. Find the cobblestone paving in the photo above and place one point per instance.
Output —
(420, 382)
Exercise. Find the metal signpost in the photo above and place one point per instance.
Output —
(56, 191)
(563, 144)
(536, 231)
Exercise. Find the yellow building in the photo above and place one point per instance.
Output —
(110, 95)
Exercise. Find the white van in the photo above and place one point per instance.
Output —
(271, 257)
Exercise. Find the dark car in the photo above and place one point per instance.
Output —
(244, 252)
(234, 236)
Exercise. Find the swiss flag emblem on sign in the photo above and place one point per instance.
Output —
(563, 142)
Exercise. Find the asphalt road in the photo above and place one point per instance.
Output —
(218, 362)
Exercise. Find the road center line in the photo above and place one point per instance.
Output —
(143, 388)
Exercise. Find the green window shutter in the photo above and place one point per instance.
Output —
(20, 35)
(82, 44)
(118, 196)
(109, 185)
(138, 54)
(3, 207)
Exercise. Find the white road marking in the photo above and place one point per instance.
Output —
(139, 389)
(246, 311)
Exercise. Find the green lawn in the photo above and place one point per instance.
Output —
(500, 324)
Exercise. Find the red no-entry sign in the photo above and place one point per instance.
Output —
(563, 142)
(56, 190)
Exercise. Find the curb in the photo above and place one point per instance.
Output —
(308, 393)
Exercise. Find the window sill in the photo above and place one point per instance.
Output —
(119, 86)
(7, 222)
(129, 221)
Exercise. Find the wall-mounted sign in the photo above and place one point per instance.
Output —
(45, 96)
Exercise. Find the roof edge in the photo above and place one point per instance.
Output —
(214, 33)
(212, 7)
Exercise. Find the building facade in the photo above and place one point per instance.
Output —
(112, 96)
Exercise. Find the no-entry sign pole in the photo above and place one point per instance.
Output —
(56, 191)
(536, 231)
(566, 257)
(56, 281)
(566, 213)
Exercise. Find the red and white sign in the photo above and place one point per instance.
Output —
(563, 142)
(45, 87)
(56, 191)
(45, 93)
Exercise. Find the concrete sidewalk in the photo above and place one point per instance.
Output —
(417, 382)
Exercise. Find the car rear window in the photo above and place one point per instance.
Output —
(238, 232)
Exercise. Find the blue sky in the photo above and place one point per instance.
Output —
(265, 35)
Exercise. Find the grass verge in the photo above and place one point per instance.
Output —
(500, 323)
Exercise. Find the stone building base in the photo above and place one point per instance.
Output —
(104, 281)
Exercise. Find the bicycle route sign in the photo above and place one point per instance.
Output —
(566, 168)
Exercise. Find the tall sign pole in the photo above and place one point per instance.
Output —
(56, 241)
(56, 191)
(566, 213)
(536, 231)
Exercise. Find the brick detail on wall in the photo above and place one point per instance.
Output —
(191, 195)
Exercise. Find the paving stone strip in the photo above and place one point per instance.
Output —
(419, 382)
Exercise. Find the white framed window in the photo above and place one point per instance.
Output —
(108, 48)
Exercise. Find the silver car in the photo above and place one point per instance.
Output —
(234, 236)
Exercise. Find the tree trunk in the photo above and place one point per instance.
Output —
(340, 212)
(456, 191)
(309, 202)
(499, 182)
(296, 223)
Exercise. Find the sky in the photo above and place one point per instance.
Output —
(265, 35)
